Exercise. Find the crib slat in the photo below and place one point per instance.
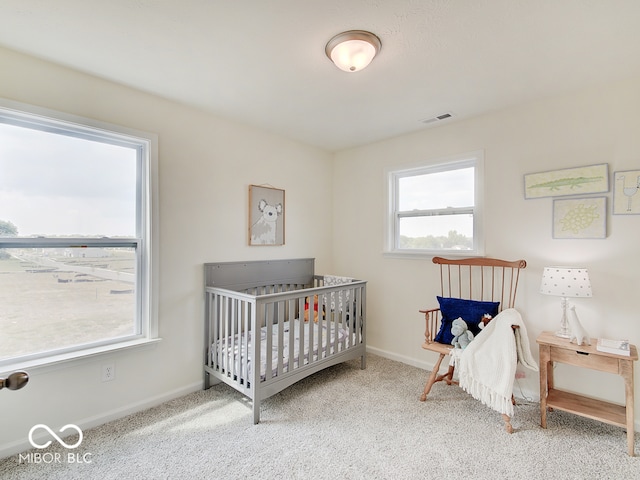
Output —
(268, 319)
(213, 339)
(300, 325)
(224, 342)
(340, 316)
(355, 319)
(311, 332)
(280, 314)
(235, 340)
(343, 320)
(291, 342)
(257, 321)
(243, 342)
(319, 328)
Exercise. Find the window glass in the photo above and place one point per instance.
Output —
(435, 208)
(442, 232)
(453, 188)
(75, 252)
(57, 298)
(55, 184)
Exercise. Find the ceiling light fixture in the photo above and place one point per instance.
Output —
(353, 50)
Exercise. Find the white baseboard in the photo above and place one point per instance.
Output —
(519, 392)
(14, 448)
(401, 358)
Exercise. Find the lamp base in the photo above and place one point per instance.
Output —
(564, 331)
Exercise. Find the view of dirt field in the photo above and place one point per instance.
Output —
(68, 302)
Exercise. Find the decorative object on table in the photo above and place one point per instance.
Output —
(565, 282)
(618, 347)
(579, 335)
(580, 217)
(626, 192)
(570, 181)
(462, 336)
(266, 215)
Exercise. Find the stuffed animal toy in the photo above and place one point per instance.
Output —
(461, 334)
(486, 318)
(315, 309)
(579, 335)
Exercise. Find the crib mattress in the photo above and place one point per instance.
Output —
(234, 352)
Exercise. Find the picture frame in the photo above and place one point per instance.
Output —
(266, 216)
(568, 181)
(580, 218)
(626, 192)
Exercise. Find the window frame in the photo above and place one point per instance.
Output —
(393, 214)
(144, 242)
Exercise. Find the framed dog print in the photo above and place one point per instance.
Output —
(266, 215)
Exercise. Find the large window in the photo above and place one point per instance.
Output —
(75, 237)
(436, 209)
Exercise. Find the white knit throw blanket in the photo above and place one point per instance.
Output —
(487, 367)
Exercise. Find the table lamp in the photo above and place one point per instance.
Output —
(565, 282)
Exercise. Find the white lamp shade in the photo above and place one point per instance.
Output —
(353, 50)
(565, 282)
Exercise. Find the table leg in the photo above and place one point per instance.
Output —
(545, 378)
(626, 370)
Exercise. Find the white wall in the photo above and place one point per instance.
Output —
(205, 167)
(597, 125)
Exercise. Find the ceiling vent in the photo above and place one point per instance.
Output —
(437, 118)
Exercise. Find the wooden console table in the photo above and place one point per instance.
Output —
(556, 349)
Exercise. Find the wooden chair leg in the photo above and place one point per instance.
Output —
(447, 377)
(507, 423)
(433, 377)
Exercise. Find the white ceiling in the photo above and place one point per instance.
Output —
(262, 62)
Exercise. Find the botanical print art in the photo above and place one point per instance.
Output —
(580, 218)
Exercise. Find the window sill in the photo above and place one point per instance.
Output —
(55, 361)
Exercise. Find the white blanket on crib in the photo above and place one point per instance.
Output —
(240, 362)
(487, 367)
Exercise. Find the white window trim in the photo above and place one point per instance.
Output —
(149, 261)
(391, 175)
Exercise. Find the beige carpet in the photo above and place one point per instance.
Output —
(342, 423)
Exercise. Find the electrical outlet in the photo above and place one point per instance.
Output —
(108, 372)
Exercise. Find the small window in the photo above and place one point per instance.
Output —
(435, 209)
(75, 237)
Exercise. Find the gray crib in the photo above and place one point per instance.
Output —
(270, 300)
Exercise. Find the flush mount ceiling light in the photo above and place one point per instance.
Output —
(353, 50)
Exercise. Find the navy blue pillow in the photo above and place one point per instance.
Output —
(471, 311)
